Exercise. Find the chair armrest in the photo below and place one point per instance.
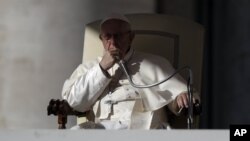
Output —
(62, 109)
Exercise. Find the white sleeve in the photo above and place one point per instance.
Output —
(156, 69)
(84, 86)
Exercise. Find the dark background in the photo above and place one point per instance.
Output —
(226, 78)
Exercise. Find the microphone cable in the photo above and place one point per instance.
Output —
(122, 65)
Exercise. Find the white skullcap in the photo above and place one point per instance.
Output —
(115, 16)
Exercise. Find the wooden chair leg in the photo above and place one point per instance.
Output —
(62, 120)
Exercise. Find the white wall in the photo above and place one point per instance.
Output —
(40, 45)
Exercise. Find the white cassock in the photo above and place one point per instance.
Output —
(114, 102)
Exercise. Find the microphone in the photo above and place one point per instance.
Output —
(117, 58)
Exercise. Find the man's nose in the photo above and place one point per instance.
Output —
(113, 40)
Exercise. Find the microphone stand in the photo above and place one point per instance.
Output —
(190, 103)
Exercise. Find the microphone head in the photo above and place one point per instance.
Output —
(117, 58)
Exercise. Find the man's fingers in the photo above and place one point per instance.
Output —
(182, 101)
(185, 100)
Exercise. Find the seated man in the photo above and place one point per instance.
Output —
(100, 86)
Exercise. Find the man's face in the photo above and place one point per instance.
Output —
(116, 33)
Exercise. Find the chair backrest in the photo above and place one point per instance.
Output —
(177, 39)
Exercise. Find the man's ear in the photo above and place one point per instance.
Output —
(100, 37)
